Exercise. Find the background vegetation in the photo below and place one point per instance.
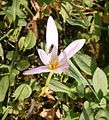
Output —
(83, 93)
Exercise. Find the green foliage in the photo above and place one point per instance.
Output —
(66, 9)
(82, 92)
(59, 87)
(4, 84)
(96, 27)
(33, 84)
(74, 73)
(46, 1)
(87, 113)
(89, 3)
(102, 115)
(22, 92)
(85, 63)
(22, 65)
(74, 22)
(100, 82)
(10, 55)
(29, 42)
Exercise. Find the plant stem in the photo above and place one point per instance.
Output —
(47, 83)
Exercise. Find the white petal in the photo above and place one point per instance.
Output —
(51, 35)
(43, 56)
(53, 54)
(62, 58)
(38, 70)
(74, 47)
(62, 68)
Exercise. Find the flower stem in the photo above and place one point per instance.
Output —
(47, 83)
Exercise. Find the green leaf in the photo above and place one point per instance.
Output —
(30, 40)
(10, 54)
(87, 113)
(67, 111)
(11, 11)
(13, 74)
(21, 43)
(82, 82)
(97, 22)
(33, 84)
(74, 73)
(84, 35)
(89, 3)
(9, 14)
(22, 92)
(23, 64)
(102, 114)
(100, 82)
(21, 22)
(58, 25)
(86, 63)
(14, 11)
(21, 15)
(94, 105)
(100, 105)
(6, 112)
(77, 22)
(60, 87)
(4, 84)
(15, 34)
(25, 4)
(103, 103)
(66, 8)
(4, 69)
(95, 28)
(15, 8)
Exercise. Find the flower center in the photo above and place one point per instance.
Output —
(54, 64)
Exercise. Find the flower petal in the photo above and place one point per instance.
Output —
(62, 68)
(38, 70)
(53, 54)
(62, 58)
(51, 35)
(74, 47)
(43, 56)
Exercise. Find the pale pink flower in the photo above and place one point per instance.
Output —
(52, 62)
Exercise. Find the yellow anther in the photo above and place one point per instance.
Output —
(53, 64)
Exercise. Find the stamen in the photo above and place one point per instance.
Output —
(54, 64)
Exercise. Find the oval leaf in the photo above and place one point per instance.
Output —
(87, 113)
(58, 87)
(86, 63)
(22, 64)
(30, 40)
(4, 84)
(100, 82)
(76, 22)
(21, 43)
(10, 55)
(102, 114)
(22, 92)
